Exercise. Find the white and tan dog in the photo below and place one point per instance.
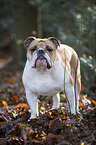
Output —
(51, 68)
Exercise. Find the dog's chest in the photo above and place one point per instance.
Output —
(45, 83)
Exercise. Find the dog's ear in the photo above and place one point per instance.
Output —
(55, 41)
(28, 41)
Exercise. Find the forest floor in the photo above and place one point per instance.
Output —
(52, 127)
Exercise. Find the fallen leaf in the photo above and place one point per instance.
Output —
(55, 125)
(81, 104)
(93, 102)
(15, 97)
(17, 130)
(50, 113)
(3, 103)
(22, 105)
(52, 138)
(42, 109)
(11, 81)
(44, 138)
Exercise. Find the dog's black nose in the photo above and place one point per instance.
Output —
(40, 52)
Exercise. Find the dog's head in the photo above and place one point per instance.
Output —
(41, 52)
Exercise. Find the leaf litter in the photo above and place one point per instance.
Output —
(53, 127)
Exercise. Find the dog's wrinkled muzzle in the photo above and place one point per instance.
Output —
(41, 61)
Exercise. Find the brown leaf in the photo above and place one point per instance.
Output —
(52, 138)
(44, 138)
(17, 130)
(3, 103)
(55, 125)
(15, 97)
(11, 81)
(93, 102)
(42, 108)
(81, 104)
(22, 105)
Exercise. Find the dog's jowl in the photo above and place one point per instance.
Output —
(51, 68)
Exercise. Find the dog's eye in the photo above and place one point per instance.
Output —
(49, 49)
(33, 49)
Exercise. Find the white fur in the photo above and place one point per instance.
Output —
(47, 83)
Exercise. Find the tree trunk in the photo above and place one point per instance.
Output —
(25, 24)
(39, 21)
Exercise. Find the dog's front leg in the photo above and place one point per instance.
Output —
(56, 101)
(33, 103)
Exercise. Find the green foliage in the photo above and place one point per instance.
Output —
(73, 22)
(88, 72)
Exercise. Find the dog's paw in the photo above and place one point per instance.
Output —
(32, 117)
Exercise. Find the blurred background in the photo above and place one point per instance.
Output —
(73, 22)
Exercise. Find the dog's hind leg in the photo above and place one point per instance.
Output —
(56, 101)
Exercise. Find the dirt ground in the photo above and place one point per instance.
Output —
(52, 127)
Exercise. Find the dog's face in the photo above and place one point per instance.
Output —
(41, 52)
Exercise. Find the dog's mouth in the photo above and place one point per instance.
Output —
(42, 62)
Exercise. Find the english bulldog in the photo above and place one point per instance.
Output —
(51, 68)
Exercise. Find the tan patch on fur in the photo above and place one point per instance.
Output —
(71, 63)
(44, 42)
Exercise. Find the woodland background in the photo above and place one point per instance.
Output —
(73, 22)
